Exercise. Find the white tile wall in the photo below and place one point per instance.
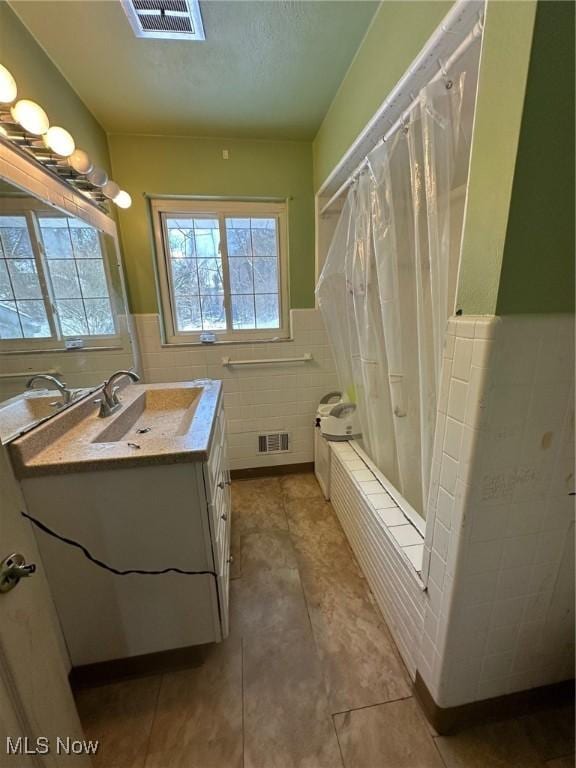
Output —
(258, 399)
(498, 559)
(499, 550)
(391, 569)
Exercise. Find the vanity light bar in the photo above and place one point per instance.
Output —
(24, 123)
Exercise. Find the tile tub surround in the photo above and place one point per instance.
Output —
(499, 556)
(257, 399)
(296, 684)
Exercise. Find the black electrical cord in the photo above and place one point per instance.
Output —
(107, 567)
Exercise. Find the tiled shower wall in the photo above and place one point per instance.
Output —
(264, 398)
(500, 534)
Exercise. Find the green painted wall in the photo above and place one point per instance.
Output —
(194, 166)
(538, 267)
(398, 32)
(502, 80)
(38, 79)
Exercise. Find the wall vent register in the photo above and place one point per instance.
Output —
(165, 19)
(275, 442)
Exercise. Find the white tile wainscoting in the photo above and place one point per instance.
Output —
(497, 614)
(78, 368)
(499, 548)
(258, 399)
(388, 567)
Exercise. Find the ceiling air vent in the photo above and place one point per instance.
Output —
(276, 442)
(168, 19)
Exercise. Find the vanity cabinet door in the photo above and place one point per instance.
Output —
(219, 501)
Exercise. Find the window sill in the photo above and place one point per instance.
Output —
(52, 350)
(225, 343)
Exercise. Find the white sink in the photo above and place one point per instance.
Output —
(154, 413)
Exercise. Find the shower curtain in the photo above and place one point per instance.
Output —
(388, 286)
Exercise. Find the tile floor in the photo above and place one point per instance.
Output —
(309, 677)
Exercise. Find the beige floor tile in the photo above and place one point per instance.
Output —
(301, 486)
(286, 718)
(551, 731)
(263, 550)
(120, 716)
(318, 536)
(386, 736)
(257, 505)
(496, 745)
(360, 663)
(198, 720)
(235, 551)
(271, 600)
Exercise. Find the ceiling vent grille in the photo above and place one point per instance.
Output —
(276, 442)
(165, 19)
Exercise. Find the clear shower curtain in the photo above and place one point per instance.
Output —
(388, 287)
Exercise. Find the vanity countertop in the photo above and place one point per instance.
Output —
(183, 415)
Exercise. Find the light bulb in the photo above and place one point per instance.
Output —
(80, 161)
(111, 189)
(8, 88)
(59, 141)
(123, 199)
(30, 116)
(97, 176)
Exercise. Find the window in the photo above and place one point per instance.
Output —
(53, 280)
(222, 268)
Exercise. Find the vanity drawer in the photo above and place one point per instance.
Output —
(217, 465)
(222, 520)
(224, 576)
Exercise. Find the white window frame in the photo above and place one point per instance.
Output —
(219, 209)
(30, 210)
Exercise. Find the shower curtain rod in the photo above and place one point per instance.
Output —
(416, 69)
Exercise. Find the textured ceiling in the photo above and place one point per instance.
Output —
(268, 69)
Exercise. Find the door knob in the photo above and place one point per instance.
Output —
(12, 569)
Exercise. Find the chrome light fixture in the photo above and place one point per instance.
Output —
(123, 199)
(26, 124)
(59, 141)
(8, 90)
(30, 116)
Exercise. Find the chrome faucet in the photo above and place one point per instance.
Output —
(59, 385)
(110, 402)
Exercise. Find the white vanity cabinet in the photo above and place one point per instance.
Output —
(168, 517)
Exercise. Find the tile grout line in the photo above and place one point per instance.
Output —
(149, 740)
(437, 748)
(370, 597)
(338, 742)
(314, 639)
(370, 706)
(242, 692)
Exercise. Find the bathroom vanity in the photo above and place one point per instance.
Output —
(146, 493)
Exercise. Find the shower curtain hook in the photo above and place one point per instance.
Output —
(444, 73)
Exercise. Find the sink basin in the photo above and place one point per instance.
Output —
(155, 413)
(24, 411)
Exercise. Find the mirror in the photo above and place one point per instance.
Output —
(63, 309)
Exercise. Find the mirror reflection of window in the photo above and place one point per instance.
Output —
(54, 282)
(22, 306)
(77, 275)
